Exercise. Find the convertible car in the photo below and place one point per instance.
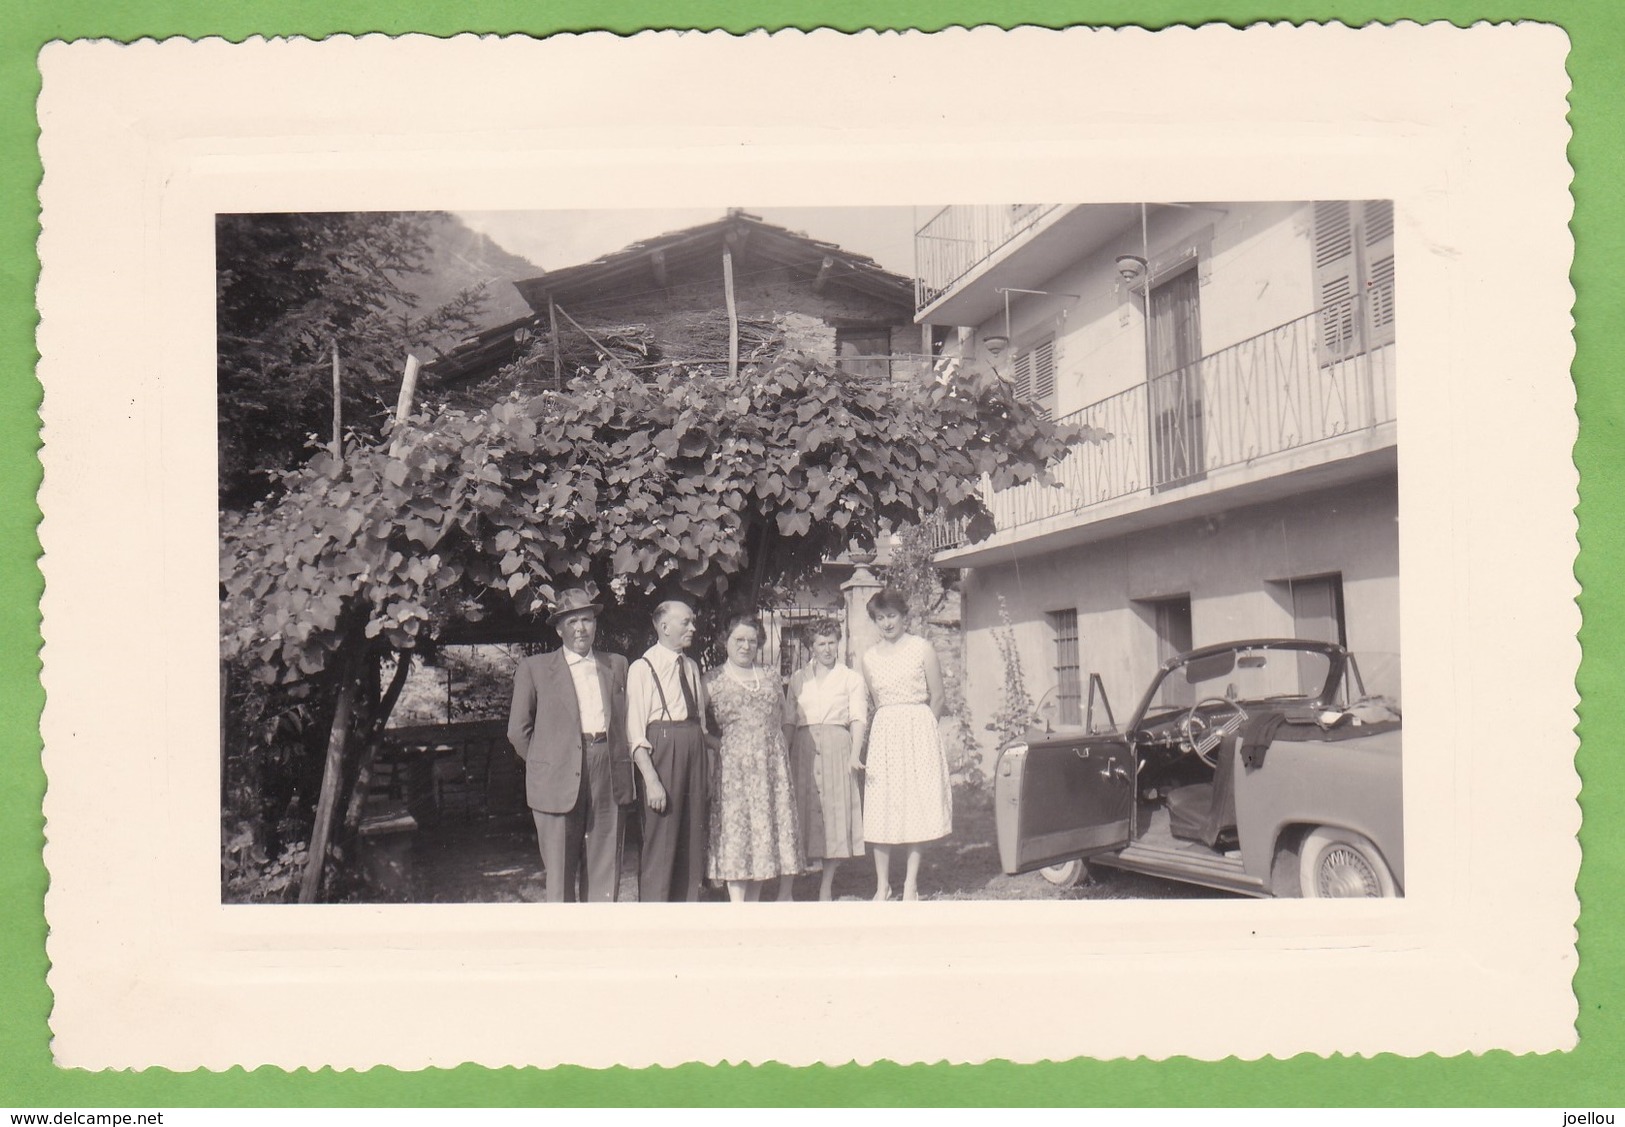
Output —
(1259, 767)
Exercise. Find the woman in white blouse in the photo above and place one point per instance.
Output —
(828, 706)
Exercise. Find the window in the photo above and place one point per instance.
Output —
(1035, 375)
(1317, 614)
(852, 345)
(1063, 626)
(1171, 618)
(1317, 608)
(1354, 274)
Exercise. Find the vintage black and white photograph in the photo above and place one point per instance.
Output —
(712, 485)
(965, 552)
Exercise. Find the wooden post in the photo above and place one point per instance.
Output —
(332, 775)
(603, 349)
(409, 389)
(403, 406)
(558, 354)
(358, 793)
(733, 314)
(824, 270)
(338, 404)
(375, 735)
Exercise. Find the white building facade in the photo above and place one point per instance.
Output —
(1241, 357)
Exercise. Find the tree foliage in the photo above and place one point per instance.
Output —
(288, 289)
(929, 590)
(699, 484)
(911, 570)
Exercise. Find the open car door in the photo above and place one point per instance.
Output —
(1062, 797)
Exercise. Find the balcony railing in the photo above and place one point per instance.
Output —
(957, 238)
(1301, 383)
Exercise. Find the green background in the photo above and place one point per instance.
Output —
(1588, 1077)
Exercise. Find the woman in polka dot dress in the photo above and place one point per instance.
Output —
(906, 797)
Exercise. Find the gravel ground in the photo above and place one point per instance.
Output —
(495, 861)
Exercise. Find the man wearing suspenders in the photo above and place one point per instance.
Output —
(665, 712)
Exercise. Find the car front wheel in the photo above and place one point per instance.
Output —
(1337, 862)
(1065, 875)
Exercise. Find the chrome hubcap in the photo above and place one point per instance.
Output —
(1346, 872)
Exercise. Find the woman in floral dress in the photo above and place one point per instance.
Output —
(753, 833)
(906, 797)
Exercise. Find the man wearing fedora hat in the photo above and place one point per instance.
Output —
(568, 723)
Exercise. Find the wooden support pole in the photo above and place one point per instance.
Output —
(310, 884)
(409, 389)
(603, 350)
(824, 269)
(558, 354)
(403, 405)
(733, 314)
(369, 750)
(358, 793)
(338, 405)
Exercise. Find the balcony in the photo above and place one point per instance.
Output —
(967, 253)
(959, 237)
(1291, 400)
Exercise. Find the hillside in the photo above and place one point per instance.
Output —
(463, 257)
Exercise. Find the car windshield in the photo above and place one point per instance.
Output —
(1244, 675)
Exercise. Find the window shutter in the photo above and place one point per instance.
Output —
(1354, 275)
(1043, 367)
(1034, 375)
(1024, 376)
(1335, 267)
(1379, 278)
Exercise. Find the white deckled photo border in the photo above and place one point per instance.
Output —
(143, 144)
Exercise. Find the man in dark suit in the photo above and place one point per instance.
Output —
(568, 723)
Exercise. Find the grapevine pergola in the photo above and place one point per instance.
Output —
(696, 483)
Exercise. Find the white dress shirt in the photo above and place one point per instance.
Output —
(589, 691)
(643, 701)
(838, 697)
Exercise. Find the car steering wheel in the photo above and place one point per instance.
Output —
(1201, 737)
